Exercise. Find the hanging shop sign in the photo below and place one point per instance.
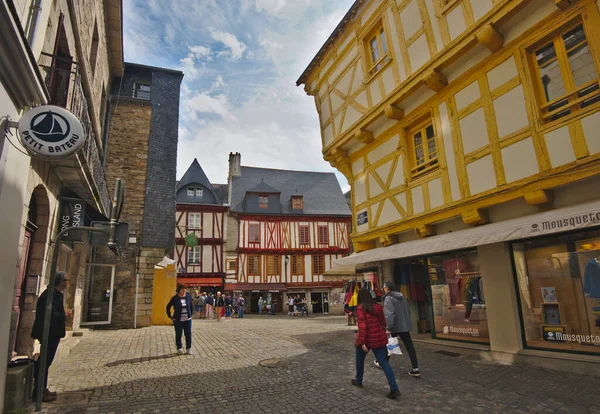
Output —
(51, 131)
(72, 214)
(362, 218)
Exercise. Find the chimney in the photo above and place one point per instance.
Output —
(235, 164)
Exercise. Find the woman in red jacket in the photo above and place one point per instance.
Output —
(372, 336)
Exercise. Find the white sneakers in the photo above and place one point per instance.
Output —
(189, 351)
(180, 351)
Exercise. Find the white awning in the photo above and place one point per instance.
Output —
(549, 222)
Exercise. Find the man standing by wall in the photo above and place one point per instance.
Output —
(399, 322)
(57, 329)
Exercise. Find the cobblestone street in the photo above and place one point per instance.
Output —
(285, 364)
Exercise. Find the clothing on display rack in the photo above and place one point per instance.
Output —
(591, 279)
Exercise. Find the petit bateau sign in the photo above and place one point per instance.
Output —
(51, 131)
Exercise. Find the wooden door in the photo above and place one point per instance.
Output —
(20, 290)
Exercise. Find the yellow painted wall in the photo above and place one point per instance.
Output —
(165, 284)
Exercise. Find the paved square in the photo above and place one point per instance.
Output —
(292, 365)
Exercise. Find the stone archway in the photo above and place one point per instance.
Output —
(33, 255)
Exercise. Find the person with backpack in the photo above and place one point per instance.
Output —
(399, 323)
(372, 336)
(241, 303)
(200, 304)
(210, 302)
(228, 303)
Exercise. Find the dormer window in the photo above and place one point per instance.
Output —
(297, 203)
(199, 192)
(263, 201)
(190, 192)
(141, 90)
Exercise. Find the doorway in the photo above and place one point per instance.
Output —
(98, 298)
(316, 298)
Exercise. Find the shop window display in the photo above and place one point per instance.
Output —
(559, 289)
(458, 299)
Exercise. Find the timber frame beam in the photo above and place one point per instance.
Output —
(490, 37)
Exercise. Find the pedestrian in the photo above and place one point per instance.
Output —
(241, 303)
(261, 302)
(399, 322)
(291, 305)
(227, 306)
(210, 303)
(57, 330)
(297, 305)
(371, 336)
(304, 307)
(219, 305)
(201, 304)
(181, 303)
(272, 307)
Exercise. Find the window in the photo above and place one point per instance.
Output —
(141, 90)
(194, 255)
(304, 235)
(194, 221)
(318, 264)
(323, 235)
(254, 265)
(376, 48)
(297, 203)
(254, 233)
(94, 49)
(199, 192)
(423, 147)
(190, 192)
(559, 291)
(273, 265)
(566, 74)
(231, 264)
(297, 265)
(263, 201)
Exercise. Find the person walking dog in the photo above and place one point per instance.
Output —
(182, 318)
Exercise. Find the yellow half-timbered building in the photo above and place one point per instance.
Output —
(469, 131)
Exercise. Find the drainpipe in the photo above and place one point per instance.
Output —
(34, 15)
(137, 283)
(106, 128)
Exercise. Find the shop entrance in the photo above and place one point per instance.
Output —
(411, 279)
(316, 298)
(98, 298)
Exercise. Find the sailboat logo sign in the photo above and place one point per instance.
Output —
(51, 131)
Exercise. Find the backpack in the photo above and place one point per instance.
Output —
(242, 302)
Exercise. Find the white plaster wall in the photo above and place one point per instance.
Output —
(349, 38)
(207, 257)
(401, 197)
(325, 111)
(336, 102)
(388, 80)
(449, 149)
(328, 135)
(559, 147)
(411, 19)
(375, 93)
(358, 166)
(395, 44)
(480, 8)
(469, 60)
(359, 190)
(591, 130)
(526, 18)
(357, 83)
(384, 171)
(374, 187)
(519, 160)
(369, 12)
(208, 225)
(415, 100)
(419, 53)
(389, 213)
(502, 73)
(398, 178)
(436, 195)
(352, 115)
(511, 113)
(481, 175)
(456, 22)
(418, 200)
(362, 99)
(384, 149)
(337, 122)
(343, 64)
(467, 95)
(474, 131)
(343, 85)
(434, 24)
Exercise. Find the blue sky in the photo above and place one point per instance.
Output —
(241, 60)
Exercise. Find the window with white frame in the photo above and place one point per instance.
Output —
(194, 255)
(190, 192)
(194, 221)
(199, 192)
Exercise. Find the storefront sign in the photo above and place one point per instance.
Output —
(362, 218)
(273, 291)
(566, 223)
(256, 291)
(461, 331)
(72, 215)
(51, 131)
(553, 333)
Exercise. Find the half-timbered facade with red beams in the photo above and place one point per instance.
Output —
(291, 225)
(200, 211)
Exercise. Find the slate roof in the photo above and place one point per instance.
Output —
(321, 192)
(263, 188)
(222, 192)
(195, 175)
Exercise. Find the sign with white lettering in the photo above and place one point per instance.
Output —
(578, 221)
(51, 131)
(362, 218)
(72, 214)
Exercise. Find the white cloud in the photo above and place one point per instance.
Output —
(203, 103)
(218, 83)
(270, 6)
(200, 51)
(236, 48)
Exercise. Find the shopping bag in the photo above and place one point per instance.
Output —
(393, 346)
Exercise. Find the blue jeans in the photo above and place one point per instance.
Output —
(186, 328)
(259, 310)
(241, 311)
(381, 356)
(228, 311)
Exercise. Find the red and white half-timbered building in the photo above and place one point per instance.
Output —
(200, 211)
(291, 226)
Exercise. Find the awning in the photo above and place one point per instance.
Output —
(255, 286)
(559, 220)
(201, 281)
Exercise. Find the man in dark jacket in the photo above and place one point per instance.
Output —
(182, 318)
(399, 322)
(57, 328)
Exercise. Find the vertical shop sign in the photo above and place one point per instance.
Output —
(72, 213)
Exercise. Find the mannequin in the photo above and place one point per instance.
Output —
(591, 278)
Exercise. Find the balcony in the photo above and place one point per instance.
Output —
(84, 172)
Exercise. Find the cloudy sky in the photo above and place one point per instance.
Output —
(241, 60)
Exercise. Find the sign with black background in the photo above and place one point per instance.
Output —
(72, 214)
